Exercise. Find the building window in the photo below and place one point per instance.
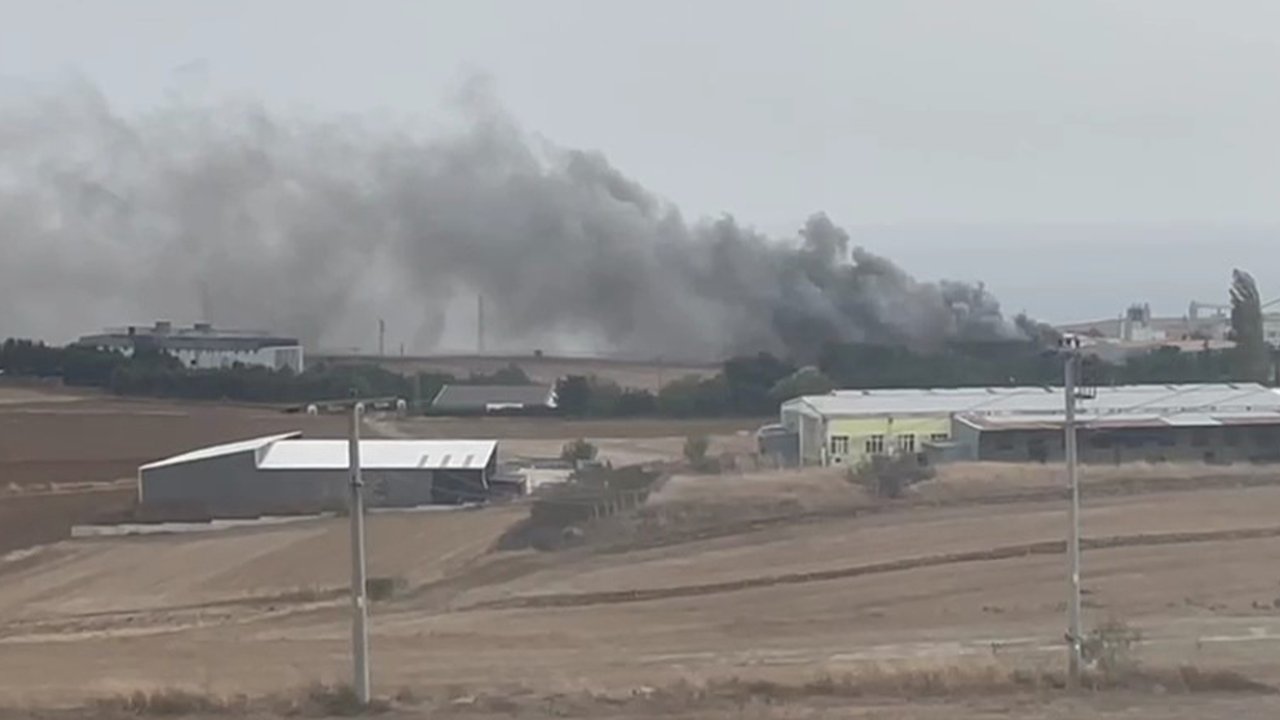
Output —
(875, 445)
(1199, 437)
(839, 445)
(906, 443)
(1231, 436)
(1166, 438)
(1004, 441)
(939, 437)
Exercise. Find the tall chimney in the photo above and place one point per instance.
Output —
(480, 324)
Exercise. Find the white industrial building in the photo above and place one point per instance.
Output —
(285, 474)
(203, 346)
(1194, 421)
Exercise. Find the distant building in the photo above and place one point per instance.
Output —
(1233, 435)
(204, 346)
(846, 427)
(483, 399)
(285, 474)
(1206, 326)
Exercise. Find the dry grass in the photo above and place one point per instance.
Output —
(318, 700)
(977, 478)
(697, 507)
(823, 488)
(872, 683)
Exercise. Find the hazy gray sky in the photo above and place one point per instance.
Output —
(1156, 118)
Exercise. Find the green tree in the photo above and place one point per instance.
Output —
(579, 451)
(805, 381)
(1252, 358)
(573, 395)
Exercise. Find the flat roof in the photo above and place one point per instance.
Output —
(288, 452)
(1161, 399)
(481, 397)
(1118, 421)
(380, 455)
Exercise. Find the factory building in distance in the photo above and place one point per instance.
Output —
(1208, 422)
(202, 346)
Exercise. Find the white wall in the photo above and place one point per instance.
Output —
(273, 357)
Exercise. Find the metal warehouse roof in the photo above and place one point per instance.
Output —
(1160, 399)
(380, 455)
(482, 397)
(286, 452)
(1116, 421)
(240, 446)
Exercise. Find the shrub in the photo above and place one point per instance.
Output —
(695, 453)
(888, 476)
(1111, 647)
(579, 451)
(384, 588)
(695, 449)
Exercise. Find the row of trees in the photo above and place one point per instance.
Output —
(744, 386)
(754, 386)
(153, 373)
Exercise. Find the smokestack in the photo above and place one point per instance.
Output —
(479, 324)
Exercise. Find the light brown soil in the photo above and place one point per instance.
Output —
(969, 568)
(226, 612)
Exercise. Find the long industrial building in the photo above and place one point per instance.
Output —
(284, 474)
(202, 346)
(1208, 422)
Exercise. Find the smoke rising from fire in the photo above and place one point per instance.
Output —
(319, 226)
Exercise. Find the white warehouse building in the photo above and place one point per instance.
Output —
(285, 474)
(203, 346)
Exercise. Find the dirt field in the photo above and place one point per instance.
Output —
(782, 577)
(67, 458)
(943, 578)
(639, 374)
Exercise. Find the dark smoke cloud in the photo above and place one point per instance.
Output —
(319, 226)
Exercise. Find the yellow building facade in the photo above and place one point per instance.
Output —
(846, 427)
(850, 441)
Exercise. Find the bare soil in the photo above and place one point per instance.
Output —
(780, 577)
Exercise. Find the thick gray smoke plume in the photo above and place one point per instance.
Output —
(320, 226)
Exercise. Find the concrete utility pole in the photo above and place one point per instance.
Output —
(382, 338)
(359, 586)
(1071, 372)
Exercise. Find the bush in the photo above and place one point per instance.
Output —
(889, 476)
(579, 451)
(512, 374)
(384, 588)
(1111, 647)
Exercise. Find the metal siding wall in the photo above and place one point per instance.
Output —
(215, 485)
(967, 437)
(233, 486)
(1131, 446)
(455, 487)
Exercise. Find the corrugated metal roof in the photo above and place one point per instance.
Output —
(286, 452)
(488, 397)
(1161, 399)
(1054, 421)
(214, 451)
(380, 455)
